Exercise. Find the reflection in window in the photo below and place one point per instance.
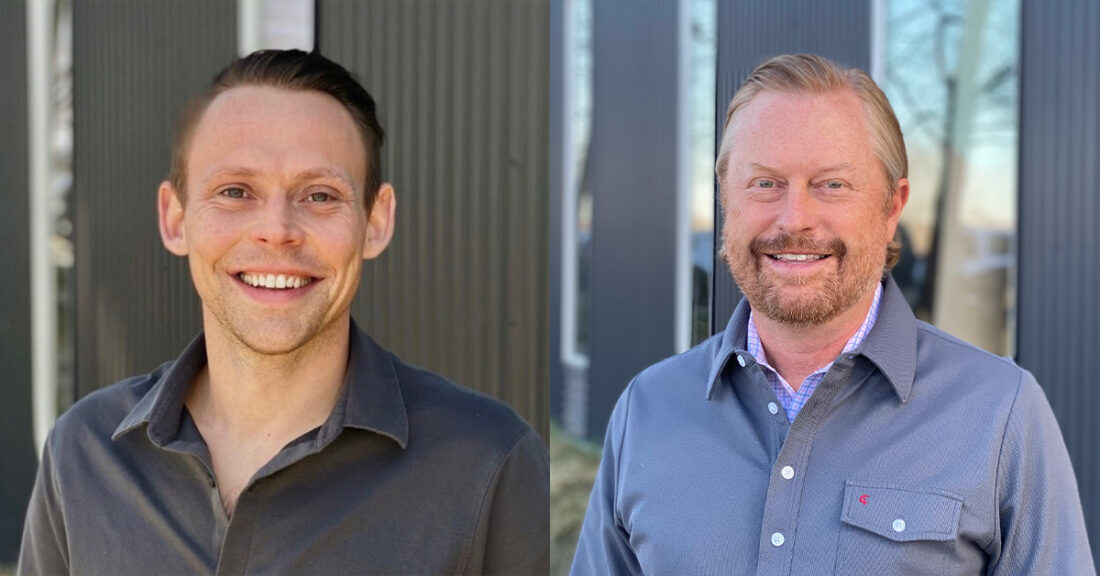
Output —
(703, 57)
(952, 74)
(581, 85)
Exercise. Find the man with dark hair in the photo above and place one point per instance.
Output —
(826, 430)
(283, 439)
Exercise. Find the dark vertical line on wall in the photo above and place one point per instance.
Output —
(1057, 209)
(632, 161)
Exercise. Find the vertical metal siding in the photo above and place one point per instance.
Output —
(751, 32)
(135, 64)
(462, 89)
(16, 437)
(632, 160)
(1059, 272)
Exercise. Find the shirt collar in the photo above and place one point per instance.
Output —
(890, 343)
(371, 398)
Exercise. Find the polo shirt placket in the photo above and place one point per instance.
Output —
(782, 507)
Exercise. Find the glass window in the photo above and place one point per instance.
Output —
(703, 73)
(951, 71)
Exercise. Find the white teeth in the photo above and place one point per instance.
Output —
(798, 257)
(277, 282)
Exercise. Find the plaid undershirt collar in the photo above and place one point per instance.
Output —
(791, 400)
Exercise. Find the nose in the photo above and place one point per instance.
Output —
(277, 223)
(797, 210)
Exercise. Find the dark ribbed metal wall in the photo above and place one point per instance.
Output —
(135, 64)
(463, 94)
(16, 432)
(1059, 271)
(632, 162)
(751, 32)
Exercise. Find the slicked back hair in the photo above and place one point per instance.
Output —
(813, 74)
(291, 70)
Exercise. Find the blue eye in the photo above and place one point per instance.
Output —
(320, 197)
(834, 184)
(233, 192)
(765, 184)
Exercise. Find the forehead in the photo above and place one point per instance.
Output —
(276, 132)
(780, 128)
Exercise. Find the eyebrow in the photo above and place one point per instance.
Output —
(833, 168)
(309, 174)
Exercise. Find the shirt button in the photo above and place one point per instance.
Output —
(741, 360)
(777, 539)
(787, 472)
(899, 525)
(773, 408)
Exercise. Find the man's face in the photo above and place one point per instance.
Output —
(806, 225)
(275, 226)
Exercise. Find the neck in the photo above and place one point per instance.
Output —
(798, 351)
(245, 394)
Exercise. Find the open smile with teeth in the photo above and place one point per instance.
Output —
(276, 281)
(797, 257)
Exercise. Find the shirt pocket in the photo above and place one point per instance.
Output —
(897, 529)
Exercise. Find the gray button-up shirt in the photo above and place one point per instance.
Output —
(410, 474)
(917, 454)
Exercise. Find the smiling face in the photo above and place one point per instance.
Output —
(275, 227)
(807, 221)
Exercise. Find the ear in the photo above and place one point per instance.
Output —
(380, 222)
(897, 202)
(171, 219)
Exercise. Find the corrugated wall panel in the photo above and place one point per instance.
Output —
(16, 434)
(463, 90)
(632, 162)
(751, 32)
(1059, 271)
(135, 64)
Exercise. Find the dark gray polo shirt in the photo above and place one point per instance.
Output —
(917, 454)
(410, 474)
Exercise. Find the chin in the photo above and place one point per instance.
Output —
(273, 345)
(274, 336)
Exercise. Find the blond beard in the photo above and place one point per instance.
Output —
(854, 276)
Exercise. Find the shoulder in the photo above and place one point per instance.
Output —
(684, 373)
(682, 377)
(105, 408)
(93, 419)
(440, 410)
(941, 356)
(672, 389)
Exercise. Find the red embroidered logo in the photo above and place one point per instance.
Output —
(863, 499)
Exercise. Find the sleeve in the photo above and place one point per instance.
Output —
(515, 519)
(604, 545)
(1042, 529)
(45, 546)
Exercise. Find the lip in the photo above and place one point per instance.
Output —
(275, 296)
(796, 266)
(275, 271)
